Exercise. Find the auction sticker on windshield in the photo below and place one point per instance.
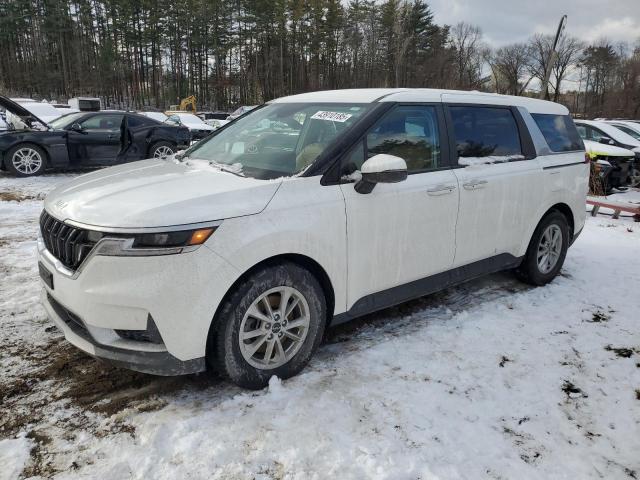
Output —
(332, 116)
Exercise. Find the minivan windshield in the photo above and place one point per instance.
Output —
(279, 139)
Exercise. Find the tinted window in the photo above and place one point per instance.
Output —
(485, 131)
(559, 131)
(408, 132)
(102, 122)
(595, 134)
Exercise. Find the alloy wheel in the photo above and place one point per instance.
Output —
(163, 152)
(274, 328)
(549, 248)
(27, 161)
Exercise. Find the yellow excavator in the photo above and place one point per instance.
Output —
(186, 105)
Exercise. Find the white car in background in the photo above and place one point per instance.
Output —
(158, 116)
(215, 119)
(64, 109)
(631, 128)
(241, 111)
(42, 110)
(195, 124)
(307, 212)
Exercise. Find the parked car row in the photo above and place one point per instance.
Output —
(83, 139)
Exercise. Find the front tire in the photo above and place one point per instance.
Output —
(270, 325)
(162, 150)
(547, 250)
(26, 160)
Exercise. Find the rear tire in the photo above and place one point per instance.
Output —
(162, 150)
(26, 160)
(280, 311)
(547, 250)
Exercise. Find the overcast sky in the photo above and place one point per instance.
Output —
(504, 21)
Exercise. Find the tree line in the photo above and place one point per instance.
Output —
(150, 53)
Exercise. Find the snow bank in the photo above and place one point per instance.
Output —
(14, 454)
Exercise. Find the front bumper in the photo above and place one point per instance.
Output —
(178, 293)
(146, 361)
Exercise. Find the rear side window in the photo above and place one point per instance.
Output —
(559, 131)
(485, 132)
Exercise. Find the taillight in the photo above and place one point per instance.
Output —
(587, 158)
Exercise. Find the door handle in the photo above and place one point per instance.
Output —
(441, 189)
(474, 184)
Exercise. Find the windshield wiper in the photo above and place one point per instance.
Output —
(227, 168)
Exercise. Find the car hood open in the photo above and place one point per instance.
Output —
(158, 193)
(19, 111)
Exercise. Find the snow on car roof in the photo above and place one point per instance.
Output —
(612, 131)
(371, 95)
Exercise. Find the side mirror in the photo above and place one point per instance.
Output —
(381, 168)
(607, 141)
(76, 127)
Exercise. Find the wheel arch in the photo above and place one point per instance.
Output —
(303, 261)
(567, 212)
(561, 207)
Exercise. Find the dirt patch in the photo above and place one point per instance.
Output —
(39, 466)
(572, 391)
(503, 361)
(600, 316)
(10, 196)
(58, 377)
(621, 352)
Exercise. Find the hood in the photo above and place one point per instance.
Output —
(158, 193)
(596, 148)
(19, 111)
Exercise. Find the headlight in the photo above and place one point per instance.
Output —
(149, 244)
(172, 239)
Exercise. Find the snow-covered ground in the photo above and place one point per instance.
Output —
(492, 379)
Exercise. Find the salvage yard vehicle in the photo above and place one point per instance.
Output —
(309, 211)
(611, 167)
(214, 119)
(84, 139)
(608, 134)
(198, 128)
(240, 111)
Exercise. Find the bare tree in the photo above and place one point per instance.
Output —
(466, 42)
(509, 65)
(568, 49)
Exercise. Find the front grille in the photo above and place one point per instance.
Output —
(68, 244)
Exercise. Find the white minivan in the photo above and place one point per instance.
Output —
(307, 212)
